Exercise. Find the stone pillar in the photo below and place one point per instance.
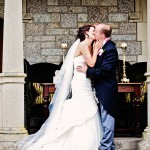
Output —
(145, 143)
(12, 77)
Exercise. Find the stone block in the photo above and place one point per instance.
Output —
(108, 2)
(80, 24)
(40, 18)
(54, 59)
(73, 31)
(70, 2)
(135, 48)
(127, 28)
(57, 9)
(112, 9)
(126, 143)
(55, 17)
(77, 10)
(126, 6)
(52, 25)
(97, 14)
(118, 17)
(36, 6)
(115, 31)
(69, 39)
(103, 14)
(124, 37)
(31, 48)
(57, 31)
(47, 44)
(34, 29)
(82, 17)
(44, 38)
(89, 2)
(114, 25)
(52, 2)
(35, 58)
(68, 20)
(53, 52)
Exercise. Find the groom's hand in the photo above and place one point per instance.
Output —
(82, 68)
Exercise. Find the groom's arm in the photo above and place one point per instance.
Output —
(108, 66)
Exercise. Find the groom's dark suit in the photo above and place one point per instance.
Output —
(104, 80)
(104, 77)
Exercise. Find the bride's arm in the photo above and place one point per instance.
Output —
(90, 59)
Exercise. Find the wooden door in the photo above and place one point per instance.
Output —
(1, 43)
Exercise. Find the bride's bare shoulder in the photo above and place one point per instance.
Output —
(80, 47)
(82, 44)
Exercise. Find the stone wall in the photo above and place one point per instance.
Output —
(56, 21)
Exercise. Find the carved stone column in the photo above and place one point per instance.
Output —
(145, 143)
(12, 77)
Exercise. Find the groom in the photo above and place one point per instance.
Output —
(104, 80)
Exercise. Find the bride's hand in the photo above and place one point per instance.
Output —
(97, 45)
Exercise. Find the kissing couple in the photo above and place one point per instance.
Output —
(86, 120)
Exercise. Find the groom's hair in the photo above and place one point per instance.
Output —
(82, 31)
(107, 30)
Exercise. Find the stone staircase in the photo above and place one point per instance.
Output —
(127, 143)
(121, 144)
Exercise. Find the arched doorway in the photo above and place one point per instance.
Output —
(1, 43)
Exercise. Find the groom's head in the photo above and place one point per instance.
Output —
(102, 31)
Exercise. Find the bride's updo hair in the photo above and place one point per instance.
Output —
(82, 31)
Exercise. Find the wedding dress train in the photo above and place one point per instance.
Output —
(78, 126)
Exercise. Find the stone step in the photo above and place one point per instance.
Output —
(127, 143)
(121, 144)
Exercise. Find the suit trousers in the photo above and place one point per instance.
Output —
(108, 125)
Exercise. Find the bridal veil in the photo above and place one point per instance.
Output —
(63, 86)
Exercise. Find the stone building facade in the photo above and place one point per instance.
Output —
(48, 23)
(56, 21)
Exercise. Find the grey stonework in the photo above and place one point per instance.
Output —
(56, 21)
(64, 39)
(108, 3)
(126, 6)
(57, 9)
(112, 9)
(53, 52)
(118, 17)
(124, 37)
(52, 2)
(36, 6)
(89, 2)
(127, 28)
(34, 29)
(68, 20)
(77, 9)
(40, 18)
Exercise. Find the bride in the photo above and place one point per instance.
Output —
(74, 123)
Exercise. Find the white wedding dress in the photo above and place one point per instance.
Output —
(78, 126)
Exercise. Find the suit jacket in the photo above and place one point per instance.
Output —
(103, 75)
